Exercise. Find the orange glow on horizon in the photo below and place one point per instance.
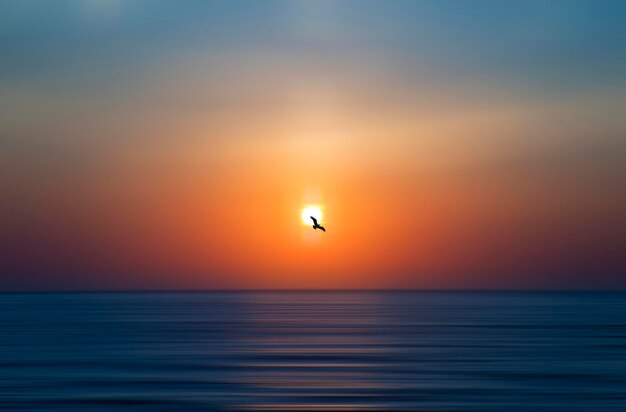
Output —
(196, 168)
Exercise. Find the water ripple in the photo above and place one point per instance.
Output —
(417, 351)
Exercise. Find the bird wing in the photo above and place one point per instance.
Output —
(323, 228)
(314, 220)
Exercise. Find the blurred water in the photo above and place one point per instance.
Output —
(414, 351)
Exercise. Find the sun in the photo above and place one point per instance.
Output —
(311, 210)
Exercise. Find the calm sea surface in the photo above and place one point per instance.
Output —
(413, 351)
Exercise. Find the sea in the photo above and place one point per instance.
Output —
(313, 351)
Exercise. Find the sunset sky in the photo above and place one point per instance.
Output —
(450, 144)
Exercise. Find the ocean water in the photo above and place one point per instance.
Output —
(410, 351)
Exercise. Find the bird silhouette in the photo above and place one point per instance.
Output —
(317, 225)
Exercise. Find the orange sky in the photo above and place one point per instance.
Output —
(151, 156)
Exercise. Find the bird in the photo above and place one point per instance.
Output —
(317, 225)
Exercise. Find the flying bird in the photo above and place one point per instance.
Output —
(317, 225)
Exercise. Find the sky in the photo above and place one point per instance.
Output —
(154, 144)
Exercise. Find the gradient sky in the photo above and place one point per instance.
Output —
(451, 144)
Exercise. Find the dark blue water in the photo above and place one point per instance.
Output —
(313, 351)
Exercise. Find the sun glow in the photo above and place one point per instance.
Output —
(311, 210)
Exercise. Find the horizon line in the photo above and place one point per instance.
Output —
(318, 290)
